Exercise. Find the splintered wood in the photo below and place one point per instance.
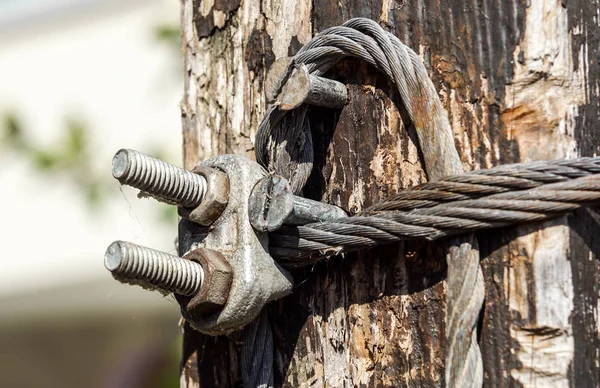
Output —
(520, 81)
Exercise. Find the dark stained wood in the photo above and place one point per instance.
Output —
(584, 252)
(376, 318)
(364, 302)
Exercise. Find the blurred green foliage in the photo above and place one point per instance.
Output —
(169, 34)
(69, 157)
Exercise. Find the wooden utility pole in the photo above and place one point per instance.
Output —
(520, 80)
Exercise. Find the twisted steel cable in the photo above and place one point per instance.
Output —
(284, 146)
(483, 199)
(464, 298)
(257, 353)
(283, 142)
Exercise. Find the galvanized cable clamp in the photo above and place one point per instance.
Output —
(237, 203)
(226, 274)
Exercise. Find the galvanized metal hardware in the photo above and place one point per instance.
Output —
(203, 193)
(134, 264)
(257, 278)
(225, 275)
(201, 280)
(216, 283)
(289, 90)
(163, 181)
(215, 197)
(273, 204)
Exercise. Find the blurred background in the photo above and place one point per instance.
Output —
(80, 79)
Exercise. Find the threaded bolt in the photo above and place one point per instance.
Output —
(149, 268)
(163, 181)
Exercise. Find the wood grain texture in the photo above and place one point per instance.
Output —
(520, 80)
(372, 317)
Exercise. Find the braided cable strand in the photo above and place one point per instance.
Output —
(450, 206)
(278, 148)
(283, 141)
(464, 300)
(501, 179)
(257, 353)
(284, 146)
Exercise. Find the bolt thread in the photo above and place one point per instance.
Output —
(163, 181)
(135, 264)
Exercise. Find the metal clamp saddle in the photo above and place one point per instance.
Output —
(228, 205)
(257, 279)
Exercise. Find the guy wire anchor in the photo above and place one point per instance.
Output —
(202, 193)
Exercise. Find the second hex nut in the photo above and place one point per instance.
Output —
(216, 284)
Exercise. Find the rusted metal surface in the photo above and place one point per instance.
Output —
(216, 284)
(160, 180)
(215, 198)
(257, 279)
(278, 74)
(200, 281)
(201, 194)
(229, 275)
(270, 203)
(153, 270)
(303, 88)
(518, 86)
(307, 211)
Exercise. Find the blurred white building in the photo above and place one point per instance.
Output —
(63, 320)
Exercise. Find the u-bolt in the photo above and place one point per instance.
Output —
(201, 280)
(135, 264)
(272, 203)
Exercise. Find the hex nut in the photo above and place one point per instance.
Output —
(216, 284)
(257, 278)
(215, 199)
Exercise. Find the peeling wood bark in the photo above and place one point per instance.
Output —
(377, 316)
(520, 80)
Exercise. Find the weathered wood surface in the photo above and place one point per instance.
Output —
(520, 80)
